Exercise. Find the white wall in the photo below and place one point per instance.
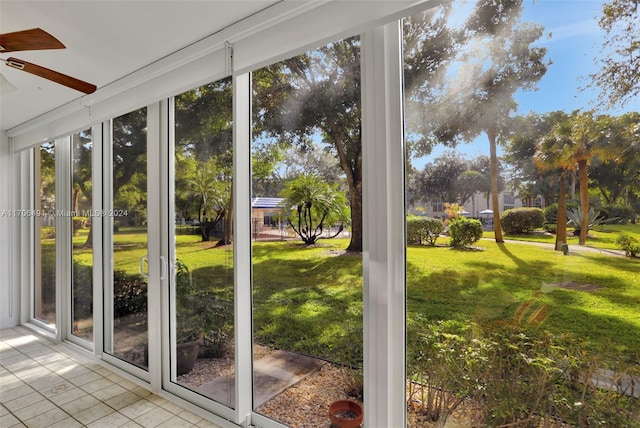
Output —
(9, 302)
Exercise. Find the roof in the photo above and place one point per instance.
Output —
(269, 203)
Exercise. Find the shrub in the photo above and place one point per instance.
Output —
(464, 231)
(521, 220)
(47, 232)
(629, 244)
(551, 211)
(620, 213)
(129, 294)
(82, 291)
(515, 376)
(423, 229)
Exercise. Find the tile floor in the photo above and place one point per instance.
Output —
(47, 385)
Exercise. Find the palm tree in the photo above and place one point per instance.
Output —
(551, 156)
(588, 138)
(314, 203)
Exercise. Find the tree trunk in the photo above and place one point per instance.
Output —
(356, 218)
(495, 206)
(75, 200)
(584, 200)
(561, 221)
(573, 185)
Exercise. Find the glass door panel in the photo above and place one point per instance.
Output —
(82, 236)
(307, 235)
(126, 293)
(202, 290)
(45, 229)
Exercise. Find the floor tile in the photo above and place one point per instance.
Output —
(114, 419)
(154, 418)
(94, 413)
(67, 396)
(23, 401)
(138, 408)
(123, 400)
(80, 404)
(175, 422)
(46, 419)
(34, 409)
(47, 385)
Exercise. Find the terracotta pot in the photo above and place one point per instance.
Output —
(186, 356)
(346, 414)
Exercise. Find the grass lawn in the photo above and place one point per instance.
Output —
(309, 299)
(602, 236)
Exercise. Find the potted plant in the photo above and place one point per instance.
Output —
(204, 323)
(346, 414)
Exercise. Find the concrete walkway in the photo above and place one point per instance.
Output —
(572, 248)
(272, 374)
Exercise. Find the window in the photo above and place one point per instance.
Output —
(45, 232)
(82, 218)
(307, 281)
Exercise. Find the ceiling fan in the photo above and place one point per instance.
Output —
(37, 39)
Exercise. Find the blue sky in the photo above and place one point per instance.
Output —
(575, 41)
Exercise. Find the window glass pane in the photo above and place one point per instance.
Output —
(45, 234)
(202, 348)
(307, 234)
(82, 251)
(518, 313)
(126, 309)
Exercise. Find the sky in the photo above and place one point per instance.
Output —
(575, 41)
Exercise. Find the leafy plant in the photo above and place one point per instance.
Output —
(593, 218)
(522, 220)
(423, 229)
(314, 205)
(464, 231)
(201, 316)
(628, 244)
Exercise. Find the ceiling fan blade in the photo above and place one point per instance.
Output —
(28, 40)
(54, 76)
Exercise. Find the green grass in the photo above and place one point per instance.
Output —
(309, 299)
(602, 236)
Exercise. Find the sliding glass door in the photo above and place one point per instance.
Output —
(125, 216)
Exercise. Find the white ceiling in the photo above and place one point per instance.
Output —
(106, 40)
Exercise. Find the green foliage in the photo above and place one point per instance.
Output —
(593, 219)
(464, 231)
(47, 232)
(423, 229)
(314, 205)
(201, 316)
(513, 376)
(551, 211)
(129, 294)
(629, 244)
(82, 291)
(187, 230)
(619, 213)
(522, 220)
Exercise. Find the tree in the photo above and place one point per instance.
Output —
(204, 156)
(619, 75)
(318, 93)
(315, 204)
(550, 156)
(499, 61)
(129, 164)
(615, 178)
(586, 138)
(438, 179)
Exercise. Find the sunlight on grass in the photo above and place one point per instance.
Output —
(305, 297)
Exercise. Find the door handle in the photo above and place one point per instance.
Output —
(142, 260)
(163, 272)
